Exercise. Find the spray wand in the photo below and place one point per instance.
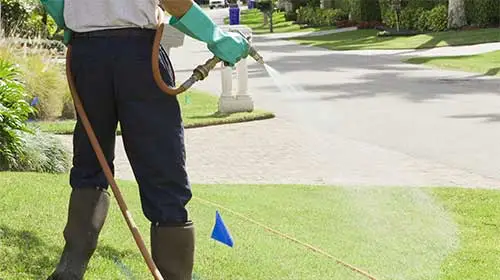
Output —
(199, 73)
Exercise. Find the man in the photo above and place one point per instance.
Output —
(111, 68)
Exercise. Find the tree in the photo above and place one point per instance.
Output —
(456, 14)
(267, 8)
(370, 10)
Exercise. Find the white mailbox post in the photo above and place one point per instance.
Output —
(235, 101)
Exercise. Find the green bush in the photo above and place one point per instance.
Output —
(68, 110)
(319, 17)
(42, 152)
(23, 148)
(291, 16)
(369, 10)
(483, 12)
(423, 21)
(14, 112)
(418, 18)
(45, 79)
(26, 19)
(438, 18)
(408, 18)
(425, 4)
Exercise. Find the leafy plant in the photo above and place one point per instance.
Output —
(46, 81)
(483, 12)
(42, 152)
(26, 19)
(14, 112)
(438, 18)
(320, 17)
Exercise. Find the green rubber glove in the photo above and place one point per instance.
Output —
(55, 8)
(229, 47)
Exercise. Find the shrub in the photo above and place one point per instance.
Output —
(68, 110)
(418, 18)
(42, 152)
(46, 81)
(425, 4)
(43, 76)
(23, 148)
(438, 19)
(369, 11)
(14, 111)
(319, 17)
(483, 12)
(291, 16)
(26, 19)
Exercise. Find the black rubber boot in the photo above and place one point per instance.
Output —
(88, 208)
(172, 249)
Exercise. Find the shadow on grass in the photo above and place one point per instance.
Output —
(216, 115)
(493, 71)
(26, 252)
(367, 39)
(116, 256)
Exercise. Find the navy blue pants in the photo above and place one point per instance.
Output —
(113, 77)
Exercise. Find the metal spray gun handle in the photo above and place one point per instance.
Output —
(202, 71)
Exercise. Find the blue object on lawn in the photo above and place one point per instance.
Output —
(220, 231)
(34, 102)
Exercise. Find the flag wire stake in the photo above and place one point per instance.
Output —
(309, 246)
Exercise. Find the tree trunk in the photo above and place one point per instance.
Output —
(456, 14)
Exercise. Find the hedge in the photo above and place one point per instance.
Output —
(319, 17)
(418, 18)
(483, 12)
(414, 13)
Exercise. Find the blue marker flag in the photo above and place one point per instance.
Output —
(34, 102)
(220, 231)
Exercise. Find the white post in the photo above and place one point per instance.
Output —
(241, 101)
(227, 81)
(242, 71)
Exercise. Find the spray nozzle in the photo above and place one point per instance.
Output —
(252, 52)
(202, 71)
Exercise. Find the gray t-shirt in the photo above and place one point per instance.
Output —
(83, 16)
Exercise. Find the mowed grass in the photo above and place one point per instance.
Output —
(393, 233)
(486, 63)
(198, 109)
(367, 39)
(255, 20)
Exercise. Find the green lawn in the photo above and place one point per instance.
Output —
(367, 39)
(255, 20)
(486, 63)
(198, 109)
(393, 233)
